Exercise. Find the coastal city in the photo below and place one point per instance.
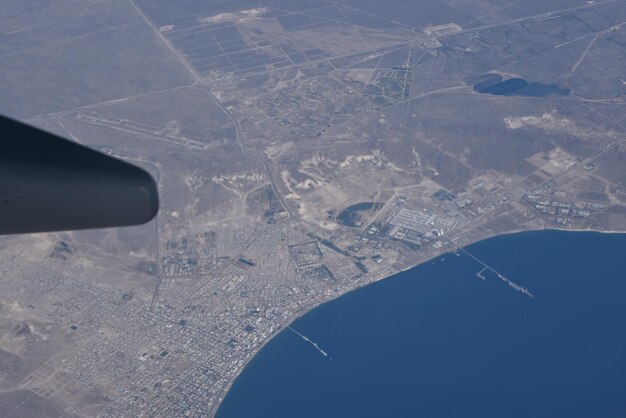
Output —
(222, 293)
(301, 152)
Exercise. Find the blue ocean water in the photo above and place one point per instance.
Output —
(436, 341)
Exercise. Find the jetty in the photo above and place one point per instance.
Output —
(487, 267)
(308, 340)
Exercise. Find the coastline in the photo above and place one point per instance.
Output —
(444, 250)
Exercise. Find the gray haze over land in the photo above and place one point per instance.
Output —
(303, 148)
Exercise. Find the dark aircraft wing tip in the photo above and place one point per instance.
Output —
(51, 184)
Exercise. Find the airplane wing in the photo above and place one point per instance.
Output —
(51, 184)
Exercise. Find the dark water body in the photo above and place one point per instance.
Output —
(350, 215)
(436, 341)
(495, 85)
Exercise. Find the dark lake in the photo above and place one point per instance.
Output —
(350, 215)
(437, 341)
(495, 85)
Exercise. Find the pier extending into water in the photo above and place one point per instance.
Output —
(487, 267)
(308, 340)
